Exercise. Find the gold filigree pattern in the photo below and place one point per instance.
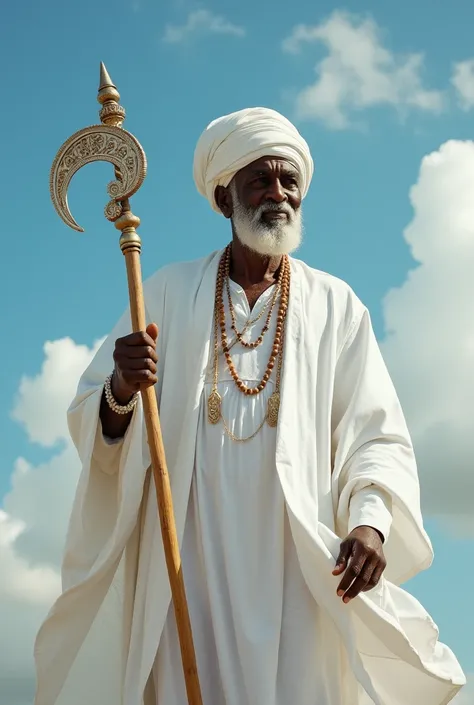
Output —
(112, 114)
(112, 211)
(214, 407)
(98, 143)
(273, 407)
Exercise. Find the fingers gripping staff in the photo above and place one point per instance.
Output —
(109, 142)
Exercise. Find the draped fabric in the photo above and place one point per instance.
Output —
(340, 430)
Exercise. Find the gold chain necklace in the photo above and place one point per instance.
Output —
(273, 403)
(250, 322)
(272, 301)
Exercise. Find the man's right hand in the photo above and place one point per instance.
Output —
(135, 363)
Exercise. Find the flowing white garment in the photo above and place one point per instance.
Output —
(258, 632)
(340, 430)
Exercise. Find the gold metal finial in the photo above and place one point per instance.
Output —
(105, 80)
(109, 143)
(112, 112)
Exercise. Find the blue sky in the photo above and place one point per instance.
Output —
(177, 66)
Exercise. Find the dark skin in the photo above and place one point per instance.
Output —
(361, 559)
(267, 179)
(135, 362)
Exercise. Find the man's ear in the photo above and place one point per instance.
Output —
(224, 201)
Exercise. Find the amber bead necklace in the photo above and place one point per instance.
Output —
(273, 404)
(239, 334)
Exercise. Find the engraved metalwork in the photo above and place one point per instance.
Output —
(273, 408)
(107, 143)
(98, 143)
(111, 113)
(214, 407)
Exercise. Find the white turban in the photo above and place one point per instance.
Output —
(230, 143)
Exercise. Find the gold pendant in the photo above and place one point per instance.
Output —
(273, 407)
(214, 407)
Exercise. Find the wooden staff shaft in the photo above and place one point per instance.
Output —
(163, 492)
(109, 142)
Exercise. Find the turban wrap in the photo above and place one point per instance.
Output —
(230, 143)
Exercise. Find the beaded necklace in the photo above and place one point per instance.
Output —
(273, 404)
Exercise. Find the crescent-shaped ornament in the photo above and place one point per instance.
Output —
(98, 143)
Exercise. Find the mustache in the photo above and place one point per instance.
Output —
(272, 207)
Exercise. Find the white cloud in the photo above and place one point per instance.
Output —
(18, 580)
(52, 391)
(463, 81)
(35, 513)
(429, 346)
(201, 22)
(358, 73)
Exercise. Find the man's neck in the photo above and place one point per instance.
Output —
(248, 268)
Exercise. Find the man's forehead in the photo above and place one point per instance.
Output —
(265, 165)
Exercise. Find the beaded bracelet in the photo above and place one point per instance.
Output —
(113, 404)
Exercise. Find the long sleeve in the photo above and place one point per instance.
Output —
(372, 449)
(107, 451)
(371, 506)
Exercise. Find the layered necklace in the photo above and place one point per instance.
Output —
(282, 288)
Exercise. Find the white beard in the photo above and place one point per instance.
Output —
(278, 237)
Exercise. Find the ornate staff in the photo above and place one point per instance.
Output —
(109, 142)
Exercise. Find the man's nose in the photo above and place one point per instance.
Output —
(276, 192)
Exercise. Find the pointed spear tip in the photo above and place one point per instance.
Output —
(108, 96)
(105, 80)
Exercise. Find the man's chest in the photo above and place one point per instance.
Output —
(254, 291)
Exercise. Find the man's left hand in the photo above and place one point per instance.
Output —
(362, 561)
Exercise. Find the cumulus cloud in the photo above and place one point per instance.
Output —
(358, 73)
(429, 345)
(463, 81)
(199, 23)
(35, 513)
(51, 390)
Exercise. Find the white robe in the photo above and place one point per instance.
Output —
(340, 430)
(257, 629)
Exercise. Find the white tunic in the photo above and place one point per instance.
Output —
(255, 623)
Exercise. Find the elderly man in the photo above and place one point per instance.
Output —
(293, 477)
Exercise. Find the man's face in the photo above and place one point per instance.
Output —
(265, 206)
